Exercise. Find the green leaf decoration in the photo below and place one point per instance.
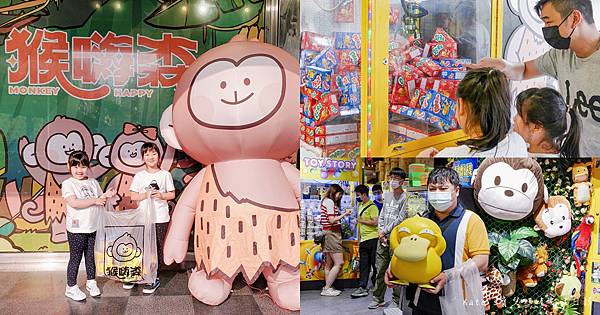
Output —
(523, 232)
(508, 248)
(526, 250)
(494, 238)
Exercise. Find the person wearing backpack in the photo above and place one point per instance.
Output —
(368, 238)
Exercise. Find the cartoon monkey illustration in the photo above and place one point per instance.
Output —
(46, 161)
(124, 249)
(125, 155)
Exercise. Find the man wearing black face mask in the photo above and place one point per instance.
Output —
(574, 61)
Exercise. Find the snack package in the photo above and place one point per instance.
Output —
(345, 13)
(332, 129)
(427, 66)
(454, 63)
(411, 53)
(439, 105)
(442, 46)
(309, 122)
(445, 87)
(351, 96)
(314, 41)
(327, 59)
(453, 74)
(347, 40)
(323, 141)
(417, 98)
(307, 57)
(342, 151)
(344, 81)
(349, 60)
(310, 140)
(325, 108)
(318, 79)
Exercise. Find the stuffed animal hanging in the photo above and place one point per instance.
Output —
(530, 275)
(509, 284)
(582, 188)
(509, 189)
(580, 241)
(569, 286)
(554, 219)
(492, 291)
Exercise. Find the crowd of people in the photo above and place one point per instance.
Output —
(463, 230)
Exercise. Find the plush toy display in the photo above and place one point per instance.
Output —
(509, 189)
(417, 245)
(492, 291)
(509, 284)
(582, 188)
(555, 218)
(530, 275)
(580, 241)
(569, 286)
(235, 110)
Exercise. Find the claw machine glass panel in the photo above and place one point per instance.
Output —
(330, 99)
(420, 49)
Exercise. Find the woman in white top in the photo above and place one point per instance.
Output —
(84, 198)
(483, 112)
(546, 123)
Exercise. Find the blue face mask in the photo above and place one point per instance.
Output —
(378, 197)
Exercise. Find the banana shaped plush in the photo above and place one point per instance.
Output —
(417, 245)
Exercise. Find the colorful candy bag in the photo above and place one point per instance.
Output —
(349, 59)
(427, 66)
(325, 108)
(314, 41)
(439, 105)
(347, 40)
(442, 46)
(327, 59)
(318, 79)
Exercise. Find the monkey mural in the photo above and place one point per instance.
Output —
(125, 156)
(46, 159)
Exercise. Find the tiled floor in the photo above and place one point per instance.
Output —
(313, 303)
(43, 293)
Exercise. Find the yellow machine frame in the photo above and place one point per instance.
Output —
(375, 144)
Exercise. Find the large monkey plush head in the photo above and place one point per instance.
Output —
(509, 188)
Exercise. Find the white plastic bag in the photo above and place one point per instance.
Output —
(457, 300)
(125, 248)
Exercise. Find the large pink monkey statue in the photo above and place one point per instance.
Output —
(236, 111)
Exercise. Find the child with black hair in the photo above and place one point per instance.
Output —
(155, 184)
(484, 114)
(549, 127)
(84, 198)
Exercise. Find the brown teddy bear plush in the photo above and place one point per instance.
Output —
(582, 188)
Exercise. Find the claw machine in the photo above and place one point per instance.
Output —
(330, 107)
(414, 54)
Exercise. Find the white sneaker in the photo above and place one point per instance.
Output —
(128, 285)
(75, 293)
(330, 292)
(92, 287)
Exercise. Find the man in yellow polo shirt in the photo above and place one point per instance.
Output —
(464, 232)
(367, 219)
